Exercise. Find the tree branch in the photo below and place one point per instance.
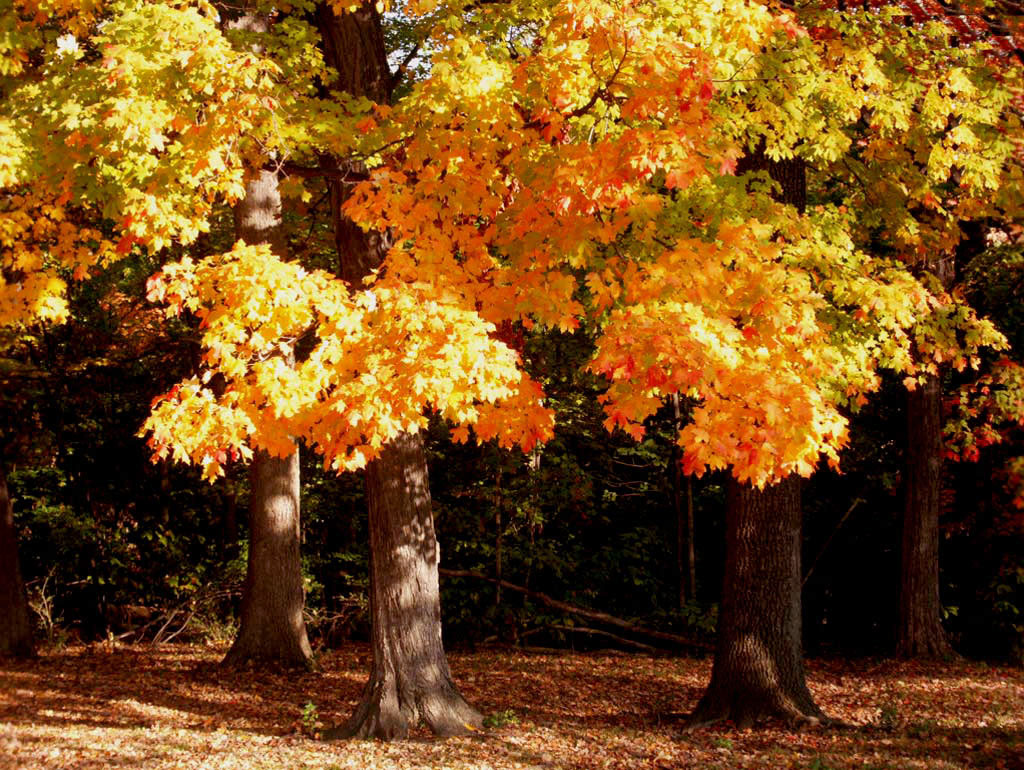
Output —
(817, 558)
(606, 634)
(400, 70)
(572, 609)
(315, 172)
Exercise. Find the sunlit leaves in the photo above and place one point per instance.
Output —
(535, 158)
(982, 411)
(596, 144)
(134, 126)
(292, 353)
(562, 163)
(40, 248)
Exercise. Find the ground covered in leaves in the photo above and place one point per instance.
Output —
(172, 707)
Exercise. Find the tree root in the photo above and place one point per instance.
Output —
(385, 715)
(747, 712)
(243, 656)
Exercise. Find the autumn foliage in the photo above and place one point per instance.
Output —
(370, 364)
(562, 163)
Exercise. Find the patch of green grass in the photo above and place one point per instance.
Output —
(501, 719)
(888, 717)
(819, 764)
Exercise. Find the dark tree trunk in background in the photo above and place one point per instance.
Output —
(686, 555)
(920, 630)
(920, 633)
(229, 525)
(410, 679)
(272, 629)
(758, 670)
(15, 621)
(790, 174)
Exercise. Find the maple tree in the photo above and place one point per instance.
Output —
(114, 109)
(817, 147)
(930, 201)
(272, 628)
(410, 678)
(560, 163)
(566, 230)
(758, 669)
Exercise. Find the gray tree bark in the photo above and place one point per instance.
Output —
(409, 679)
(272, 631)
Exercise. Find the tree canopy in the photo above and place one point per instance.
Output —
(558, 163)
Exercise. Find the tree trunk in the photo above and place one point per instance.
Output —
(229, 525)
(410, 679)
(354, 46)
(758, 671)
(15, 621)
(691, 543)
(272, 629)
(920, 633)
(686, 568)
(920, 626)
(499, 527)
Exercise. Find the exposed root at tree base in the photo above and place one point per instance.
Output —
(242, 658)
(937, 648)
(385, 716)
(748, 711)
(372, 721)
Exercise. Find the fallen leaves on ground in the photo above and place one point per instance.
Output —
(171, 706)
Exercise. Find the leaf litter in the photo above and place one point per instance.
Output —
(171, 706)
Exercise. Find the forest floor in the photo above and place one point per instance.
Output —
(171, 707)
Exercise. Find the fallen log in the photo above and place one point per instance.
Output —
(677, 640)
